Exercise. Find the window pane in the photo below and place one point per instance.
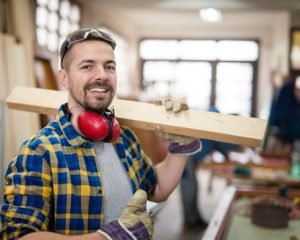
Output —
(161, 90)
(185, 80)
(53, 5)
(41, 16)
(159, 71)
(75, 13)
(74, 26)
(42, 2)
(53, 21)
(64, 27)
(234, 88)
(42, 36)
(158, 78)
(194, 49)
(238, 50)
(52, 43)
(193, 83)
(64, 9)
(61, 40)
(159, 49)
(228, 106)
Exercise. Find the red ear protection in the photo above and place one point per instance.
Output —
(99, 127)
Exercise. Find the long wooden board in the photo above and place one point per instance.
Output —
(200, 124)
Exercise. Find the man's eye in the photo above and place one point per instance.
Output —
(86, 67)
(111, 68)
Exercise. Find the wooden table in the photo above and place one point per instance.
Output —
(268, 173)
(259, 180)
(223, 225)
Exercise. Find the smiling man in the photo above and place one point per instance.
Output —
(83, 176)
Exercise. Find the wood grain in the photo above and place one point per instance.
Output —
(200, 124)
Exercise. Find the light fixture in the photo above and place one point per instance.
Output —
(210, 15)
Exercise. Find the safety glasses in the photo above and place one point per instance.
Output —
(83, 35)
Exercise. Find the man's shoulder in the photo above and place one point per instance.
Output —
(47, 135)
(125, 129)
(127, 132)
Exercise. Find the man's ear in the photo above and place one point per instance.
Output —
(63, 78)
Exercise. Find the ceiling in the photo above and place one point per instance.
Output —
(152, 13)
(185, 5)
(155, 12)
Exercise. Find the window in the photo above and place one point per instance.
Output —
(55, 19)
(205, 73)
(166, 79)
(234, 87)
(121, 54)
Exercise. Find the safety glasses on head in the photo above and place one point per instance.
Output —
(83, 35)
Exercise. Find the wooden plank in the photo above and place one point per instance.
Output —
(200, 124)
(217, 223)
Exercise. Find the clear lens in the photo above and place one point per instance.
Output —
(87, 32)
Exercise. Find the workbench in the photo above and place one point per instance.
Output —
(226, 224)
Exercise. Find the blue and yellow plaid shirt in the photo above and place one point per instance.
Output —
(54, 183)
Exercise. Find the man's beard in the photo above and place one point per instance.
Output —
(99, 106)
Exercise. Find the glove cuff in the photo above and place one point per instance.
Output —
(104, 234)
(186, 150)
(117, 231)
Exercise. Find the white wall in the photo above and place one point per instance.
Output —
(271, 28)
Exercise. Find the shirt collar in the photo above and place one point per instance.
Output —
(72, 136)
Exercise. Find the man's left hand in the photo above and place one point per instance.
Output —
(178, 144)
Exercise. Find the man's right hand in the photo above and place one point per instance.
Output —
(134, 223)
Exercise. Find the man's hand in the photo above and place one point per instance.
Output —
(178, 144)
(134, 223)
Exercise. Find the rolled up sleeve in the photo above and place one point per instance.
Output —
(27, 195)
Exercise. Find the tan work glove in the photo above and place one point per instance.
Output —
(134, 223)
(178, 144)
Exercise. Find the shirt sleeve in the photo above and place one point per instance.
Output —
(27, 195)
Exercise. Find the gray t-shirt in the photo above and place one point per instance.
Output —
(115, 180)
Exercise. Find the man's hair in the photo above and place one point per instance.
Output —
(84, 35)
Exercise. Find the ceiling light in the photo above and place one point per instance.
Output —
(210, 15)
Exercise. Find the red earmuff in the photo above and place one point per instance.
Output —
(116, 128)
(99, 127)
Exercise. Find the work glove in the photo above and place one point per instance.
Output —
(181, 145)
(134, 223)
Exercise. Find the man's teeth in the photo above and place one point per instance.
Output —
(98, 90)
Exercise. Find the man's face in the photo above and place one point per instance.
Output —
(90, 75)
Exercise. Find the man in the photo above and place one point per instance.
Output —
(189, 189)
(76, 176)
(285, 113)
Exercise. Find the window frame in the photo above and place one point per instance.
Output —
(214, 63)
(45, 47)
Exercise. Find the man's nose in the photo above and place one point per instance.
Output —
(101, 73)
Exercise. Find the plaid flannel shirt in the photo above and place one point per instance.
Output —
(54, 183)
